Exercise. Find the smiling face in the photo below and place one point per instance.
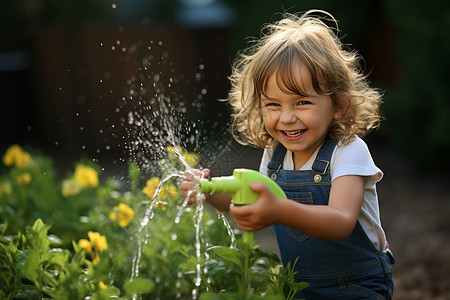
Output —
(299, 122)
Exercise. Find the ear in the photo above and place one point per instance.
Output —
(339, 110)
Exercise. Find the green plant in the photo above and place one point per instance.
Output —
(111, 241)
(32, 267)
(248, 269)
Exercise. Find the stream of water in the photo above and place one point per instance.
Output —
(155, 119)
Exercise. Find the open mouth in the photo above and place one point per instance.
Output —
(294, 133)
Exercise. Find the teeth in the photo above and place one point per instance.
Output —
(294, 133)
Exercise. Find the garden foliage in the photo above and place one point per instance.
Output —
(79, 238)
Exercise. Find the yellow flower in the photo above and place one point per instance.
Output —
(11, 153)
(160, 206)
(5, 189)
(174, 151)
(192, 159)
(23, 178)
(172, 191)
(95, 259)
(162, 193)
(85, 245)
(98, 241)
(151, 186)
(126, 213)
(15, 155)
(70, 187)
(113, 214)
(23, 160)
(102, 285)
(86, 176)
(96, 244)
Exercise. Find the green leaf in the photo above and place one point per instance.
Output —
(55, 240)
(229, 254)
(27, 292)
(58, 256)
(139, 286)
(28, 264)
(38, 226)
(221, 296)
(109, 293)
(237, 296)
(3, 227)
(38, 235)
(298, 286)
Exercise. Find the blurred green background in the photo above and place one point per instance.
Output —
(62, 73)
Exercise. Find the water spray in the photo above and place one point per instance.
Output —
(239, 186)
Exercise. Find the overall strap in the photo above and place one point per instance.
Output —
(320, 165)
(276, 163)
(323, 158)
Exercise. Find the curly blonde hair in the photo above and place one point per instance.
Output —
(334, 71)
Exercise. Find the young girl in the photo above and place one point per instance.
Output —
(302, 98)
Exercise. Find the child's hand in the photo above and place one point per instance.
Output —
(262, 213)
(189, 182)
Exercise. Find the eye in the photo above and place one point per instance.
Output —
(303, 102)
(271, 104)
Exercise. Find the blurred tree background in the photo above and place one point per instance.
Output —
(57, 68)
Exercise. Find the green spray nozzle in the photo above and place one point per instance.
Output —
(239, 186)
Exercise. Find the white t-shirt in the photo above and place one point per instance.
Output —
(351, 159)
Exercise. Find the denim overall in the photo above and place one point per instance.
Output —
(350, 269)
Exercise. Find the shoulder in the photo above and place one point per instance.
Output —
(354, 159)
(355, 150)
(356, 144)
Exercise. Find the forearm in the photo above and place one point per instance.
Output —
(220, 202)
(317, 221)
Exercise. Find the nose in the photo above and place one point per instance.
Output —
(288, 116)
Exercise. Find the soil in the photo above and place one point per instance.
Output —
(415, 210)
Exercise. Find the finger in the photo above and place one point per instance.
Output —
(259, 187)
(206, 173)
(246, 225)
(192, 173)
(240, 211)
(192, 197)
